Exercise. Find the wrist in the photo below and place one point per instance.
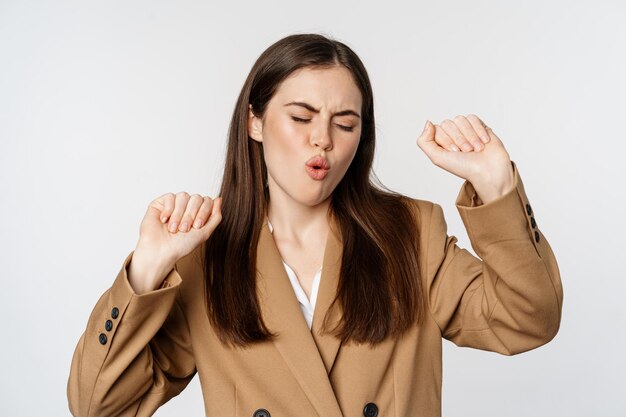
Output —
(147, 271)
(488, 190)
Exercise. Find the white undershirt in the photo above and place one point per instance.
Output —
(307, 306)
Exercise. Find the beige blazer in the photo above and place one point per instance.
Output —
(138, 351)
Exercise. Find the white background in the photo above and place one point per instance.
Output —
(105, 105)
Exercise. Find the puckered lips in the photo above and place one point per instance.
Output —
(317, 167)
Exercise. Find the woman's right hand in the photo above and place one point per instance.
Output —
(173, 226)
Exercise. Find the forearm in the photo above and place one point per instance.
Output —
(117, 360)
(508, 298)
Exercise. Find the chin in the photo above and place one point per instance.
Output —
(312, 199)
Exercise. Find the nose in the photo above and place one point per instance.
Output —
(321, 138)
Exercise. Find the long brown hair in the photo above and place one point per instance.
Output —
(378, 230)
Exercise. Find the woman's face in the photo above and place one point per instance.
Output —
(314, 112)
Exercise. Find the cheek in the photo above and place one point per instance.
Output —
(283, 147)
(348, 151)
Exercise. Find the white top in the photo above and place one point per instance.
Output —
(307, 306)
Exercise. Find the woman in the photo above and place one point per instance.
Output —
(304, 228)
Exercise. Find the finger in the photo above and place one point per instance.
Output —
(445, 141)
(180, 204)
(216, 216)
(203, 213)
(491, 133)
(193, 205)
(426, 142)
(468, 131)
(164, 204)
(168, 206)
(479, 127)
(453, 131)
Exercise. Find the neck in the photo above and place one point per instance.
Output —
(296, 222)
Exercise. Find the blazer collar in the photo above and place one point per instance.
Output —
(309, 354)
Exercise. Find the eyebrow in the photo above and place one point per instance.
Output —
(314, 110)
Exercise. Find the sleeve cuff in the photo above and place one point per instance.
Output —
(507, 217)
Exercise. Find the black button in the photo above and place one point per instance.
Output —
(115, 312)
(261, 412)
(528, 209)
(370, 410)
(533, 223)
(536, 236)
(108, 325)
(102, 338)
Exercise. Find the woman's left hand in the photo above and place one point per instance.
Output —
(469, 149)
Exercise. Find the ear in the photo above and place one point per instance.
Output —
(255, 126)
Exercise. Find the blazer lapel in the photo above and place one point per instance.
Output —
(309, 356)
(327, 344)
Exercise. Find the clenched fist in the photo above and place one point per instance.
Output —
(469, 149)
(173, 226)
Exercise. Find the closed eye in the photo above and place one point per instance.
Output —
(299, 120)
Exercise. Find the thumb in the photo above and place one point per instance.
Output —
(426, 141)
(215, 218)
(427, 135)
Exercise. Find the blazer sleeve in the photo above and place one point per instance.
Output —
(509, 299)
(135, 353)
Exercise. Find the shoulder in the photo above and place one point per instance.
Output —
(432, 234)
(423, 211)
